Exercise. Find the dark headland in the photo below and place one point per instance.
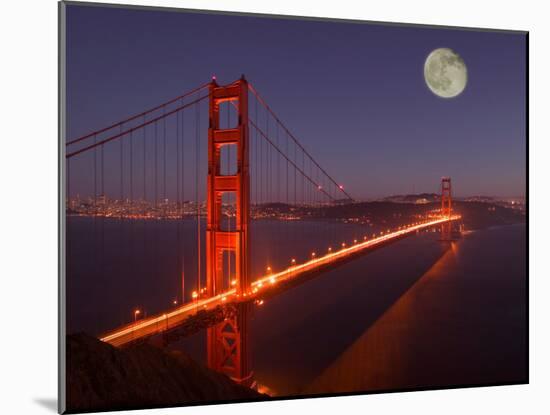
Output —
(102, 377)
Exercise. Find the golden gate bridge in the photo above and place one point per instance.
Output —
(255, 165)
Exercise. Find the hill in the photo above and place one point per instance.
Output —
(102, 377)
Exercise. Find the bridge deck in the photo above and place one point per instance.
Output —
(263, 286)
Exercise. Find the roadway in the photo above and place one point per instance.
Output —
(262, 286)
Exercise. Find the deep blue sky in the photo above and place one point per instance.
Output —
(354, 94)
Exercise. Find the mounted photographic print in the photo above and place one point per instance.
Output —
(259, 207)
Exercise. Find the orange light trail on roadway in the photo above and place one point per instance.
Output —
(156, 324)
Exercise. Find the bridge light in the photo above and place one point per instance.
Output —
(355, 241)
(364, 238)
(272, 280)
(234, 282)
(260, 284)
(195, 295)
(175, 302)
(341, 187)
(224, 298)
(329, 248)
(293, 261)
(343, 244)
(313, 254)
(319, 187)
(268, 269)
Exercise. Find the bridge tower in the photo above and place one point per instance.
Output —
(446, 207)
(227, 342)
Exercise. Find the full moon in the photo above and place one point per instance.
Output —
(445, 73)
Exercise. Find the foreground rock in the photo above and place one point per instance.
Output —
(101, 377)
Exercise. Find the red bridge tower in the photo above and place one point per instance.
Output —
(227, 342)
(446, 207)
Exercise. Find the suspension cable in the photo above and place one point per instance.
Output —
(102, 130)
(151, 121)
(264, 103)
(264, 135)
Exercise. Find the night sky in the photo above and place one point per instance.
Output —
(354, 94)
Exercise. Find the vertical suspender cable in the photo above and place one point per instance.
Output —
(268, 160)
(131, 208)
(145, 205)
(197, 159)
(121, 207)
(183, 203)
(164, 157)
(95, 207)
(131, 169)
(121, 172)
(178, 201)
(256, 146)
(144, 167)
(156, 181)
(95, 180)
